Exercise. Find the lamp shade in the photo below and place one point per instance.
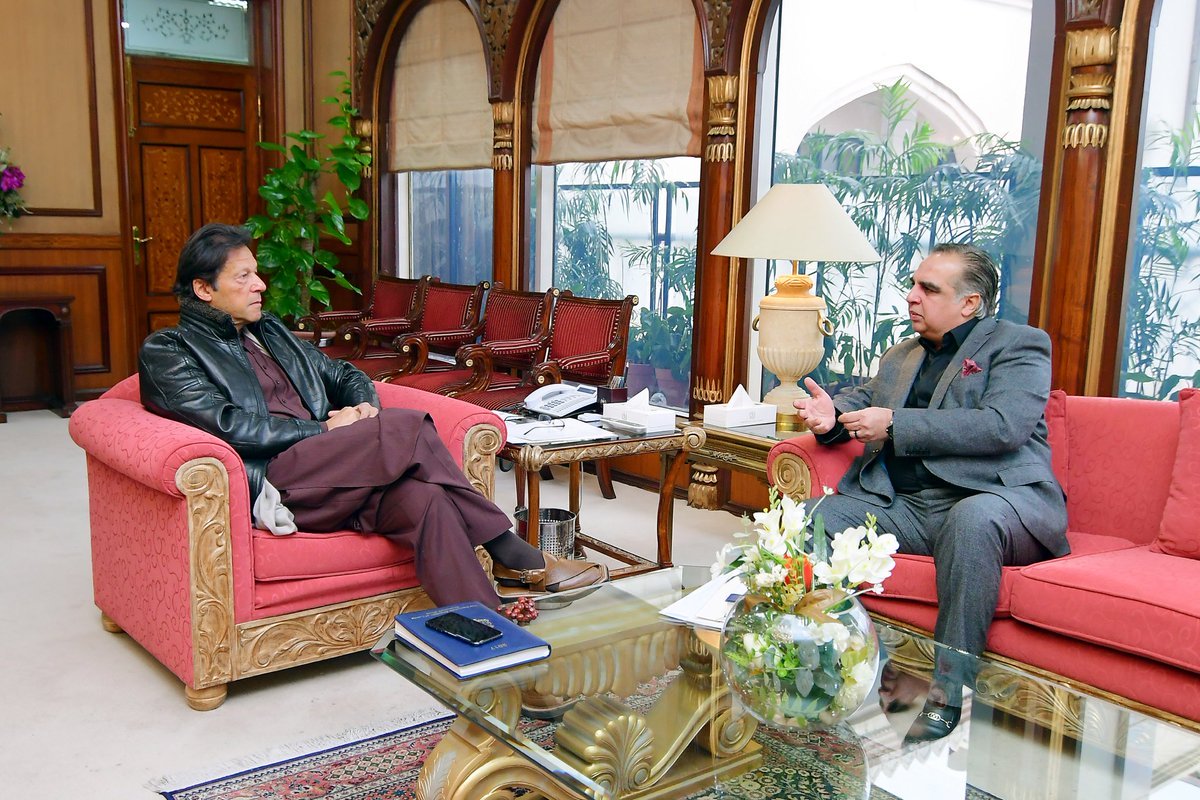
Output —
(797, 222)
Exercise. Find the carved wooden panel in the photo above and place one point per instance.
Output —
(222, 178)
(165, 190)
(190, 107)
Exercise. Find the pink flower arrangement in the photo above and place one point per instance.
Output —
(11, 179)
(970, 367)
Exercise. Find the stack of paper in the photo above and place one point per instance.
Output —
(709, 604)
(522, 430)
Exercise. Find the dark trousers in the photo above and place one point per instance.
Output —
(969, 536)
(393, 475)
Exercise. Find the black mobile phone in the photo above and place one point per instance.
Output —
(471, 631)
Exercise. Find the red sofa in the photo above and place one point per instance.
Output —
(177, 565)
(1121, 613)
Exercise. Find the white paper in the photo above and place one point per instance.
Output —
(708, 605)
(523, 430)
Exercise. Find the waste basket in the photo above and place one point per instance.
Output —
(556, 530)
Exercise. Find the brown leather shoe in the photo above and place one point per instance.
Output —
(559, 575)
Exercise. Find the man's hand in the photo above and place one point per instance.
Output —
(343, 416)
(817, 411)
(366, 411)
(867, 424)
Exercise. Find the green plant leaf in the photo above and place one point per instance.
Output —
(358, 208)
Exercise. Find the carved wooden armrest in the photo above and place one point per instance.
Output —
(324, 320)
(354, 335)
(543, 374)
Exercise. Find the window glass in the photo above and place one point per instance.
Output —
(925, 130)
(207, 30)
(446, 221)
(1162, 314)
(616, 228)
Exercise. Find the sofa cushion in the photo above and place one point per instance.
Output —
(915, 578)
(1133, 600)
(1179, 533)
(317, 555)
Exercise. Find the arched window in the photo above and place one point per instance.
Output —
(924, 126)
(439, 148)
(617, 133)
(1162, 314)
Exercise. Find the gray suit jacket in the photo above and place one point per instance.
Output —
(985, 431)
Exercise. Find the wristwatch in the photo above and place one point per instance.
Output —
(890, 435)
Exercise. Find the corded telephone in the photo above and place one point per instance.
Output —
(561, 399)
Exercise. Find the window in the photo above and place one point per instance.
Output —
(446, 220)
(206, 30)
(614, 228)
(924, 130)
(1162, 314)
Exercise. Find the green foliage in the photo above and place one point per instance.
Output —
(1163, 326)
(664, 337)
(583, 246)
(296, 266)
(906, 192)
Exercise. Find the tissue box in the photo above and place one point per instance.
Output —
(730, 416)
(652, 418)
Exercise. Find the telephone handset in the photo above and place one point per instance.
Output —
(561, 399)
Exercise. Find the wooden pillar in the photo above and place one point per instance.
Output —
(505, 264)
(1073, 300)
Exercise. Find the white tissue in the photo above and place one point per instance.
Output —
(637, 409)
(739, 411)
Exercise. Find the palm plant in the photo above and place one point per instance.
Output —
(1163, 323)
(906, 191)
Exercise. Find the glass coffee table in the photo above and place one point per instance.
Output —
(631, 706)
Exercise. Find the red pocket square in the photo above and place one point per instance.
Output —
(970, 367)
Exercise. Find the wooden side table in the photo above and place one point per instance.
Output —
(672, 446)
(744, 450)
(59, 307)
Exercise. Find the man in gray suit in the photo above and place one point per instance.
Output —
(956, 462)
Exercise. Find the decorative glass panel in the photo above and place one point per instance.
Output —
(1162, 314)
(926, 132)
(205, 30)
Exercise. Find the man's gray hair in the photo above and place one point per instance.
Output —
(979, 275)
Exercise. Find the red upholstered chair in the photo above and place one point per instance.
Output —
(177, 565)
(452, 308)
(588, 343)
(516, 331)
(394, 305)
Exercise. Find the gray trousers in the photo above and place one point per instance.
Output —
(970, 536)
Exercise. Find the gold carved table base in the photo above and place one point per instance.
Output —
(689, 737)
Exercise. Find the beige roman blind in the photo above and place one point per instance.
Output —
(440, 116)
(619, 79)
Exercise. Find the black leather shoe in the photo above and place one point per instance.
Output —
(934, 722)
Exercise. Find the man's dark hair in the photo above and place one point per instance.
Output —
(979, 276)
(205, 253)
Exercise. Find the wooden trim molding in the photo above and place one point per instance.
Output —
(100, 273)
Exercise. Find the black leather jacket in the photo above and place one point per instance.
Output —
(198, 373)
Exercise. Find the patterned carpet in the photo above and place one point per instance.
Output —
(387, 766)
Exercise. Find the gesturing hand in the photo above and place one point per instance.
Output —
(817, 411)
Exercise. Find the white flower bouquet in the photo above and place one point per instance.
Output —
(799, 650)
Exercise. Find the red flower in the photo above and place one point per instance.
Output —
(970, 367)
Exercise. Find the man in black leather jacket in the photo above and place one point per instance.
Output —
(319, 453)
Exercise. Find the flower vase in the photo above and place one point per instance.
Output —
(803, 670)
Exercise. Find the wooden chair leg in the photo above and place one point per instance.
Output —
(207, 698)
(604, 476)
(107, 623)
(519, 477)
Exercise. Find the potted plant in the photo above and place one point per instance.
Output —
(296, 267)
(639, 372)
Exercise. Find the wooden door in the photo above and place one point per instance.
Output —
(193, 160)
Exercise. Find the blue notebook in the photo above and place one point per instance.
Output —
(515, 645)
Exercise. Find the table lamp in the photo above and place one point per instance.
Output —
(796, 222)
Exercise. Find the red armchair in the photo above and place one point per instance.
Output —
(448, 307)
(516, 331)
(395, 305)
(588, 343)
(177, 565)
